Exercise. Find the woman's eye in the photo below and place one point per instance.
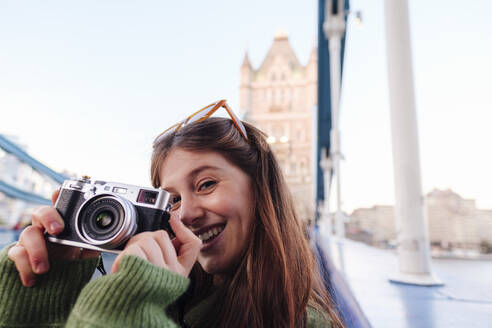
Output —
(206, 184)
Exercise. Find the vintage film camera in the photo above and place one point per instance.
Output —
(103, 215)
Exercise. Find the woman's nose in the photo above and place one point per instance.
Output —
(190, 210)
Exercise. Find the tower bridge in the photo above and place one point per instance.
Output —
(356, 274)
(16, 195)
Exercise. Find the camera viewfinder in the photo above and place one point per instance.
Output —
(119, 190)
(147, 197)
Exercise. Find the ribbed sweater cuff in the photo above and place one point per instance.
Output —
(51, 299)
(136, 296)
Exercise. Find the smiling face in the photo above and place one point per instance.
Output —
(215, 200)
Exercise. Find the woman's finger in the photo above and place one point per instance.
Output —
(152, 251)
(54, 196)
(167, 248)
(19, 256)
(138, 236)
(190, 244)
(133, 249)
(47, 218)
(32, 240)
(177, 244)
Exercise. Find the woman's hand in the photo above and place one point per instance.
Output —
(32, 251)
(178, 255)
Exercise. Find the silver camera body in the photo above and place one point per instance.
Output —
(102, 215)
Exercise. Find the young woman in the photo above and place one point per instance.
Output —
(240, 257)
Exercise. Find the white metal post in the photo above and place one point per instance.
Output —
(413, 241)
(325, 225)
(334, 28)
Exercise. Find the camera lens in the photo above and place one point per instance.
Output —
(104, 220)
(107, 221)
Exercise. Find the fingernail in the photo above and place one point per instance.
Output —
(30, 283)
(55, 226)
(41, 267)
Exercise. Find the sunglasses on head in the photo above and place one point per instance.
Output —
(203, 114)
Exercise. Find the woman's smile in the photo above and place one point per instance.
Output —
(213, 240)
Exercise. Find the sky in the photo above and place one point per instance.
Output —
(87, 85)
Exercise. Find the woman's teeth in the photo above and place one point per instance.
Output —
(210, 233)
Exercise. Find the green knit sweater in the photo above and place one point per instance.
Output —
(136, 296)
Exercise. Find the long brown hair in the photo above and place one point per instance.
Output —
(278, 278)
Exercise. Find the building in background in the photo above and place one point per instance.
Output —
(454, 223)
(279, 98)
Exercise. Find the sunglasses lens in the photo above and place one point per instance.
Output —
(169, 130)
(201, 114)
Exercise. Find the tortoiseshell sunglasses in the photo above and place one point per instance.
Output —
(203, 114)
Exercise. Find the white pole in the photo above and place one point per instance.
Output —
(314, 167)
(413, 241)
(334, 28)
(325, 225)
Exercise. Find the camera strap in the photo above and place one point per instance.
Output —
(100, 266)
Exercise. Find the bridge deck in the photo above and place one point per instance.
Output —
(464, 301)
